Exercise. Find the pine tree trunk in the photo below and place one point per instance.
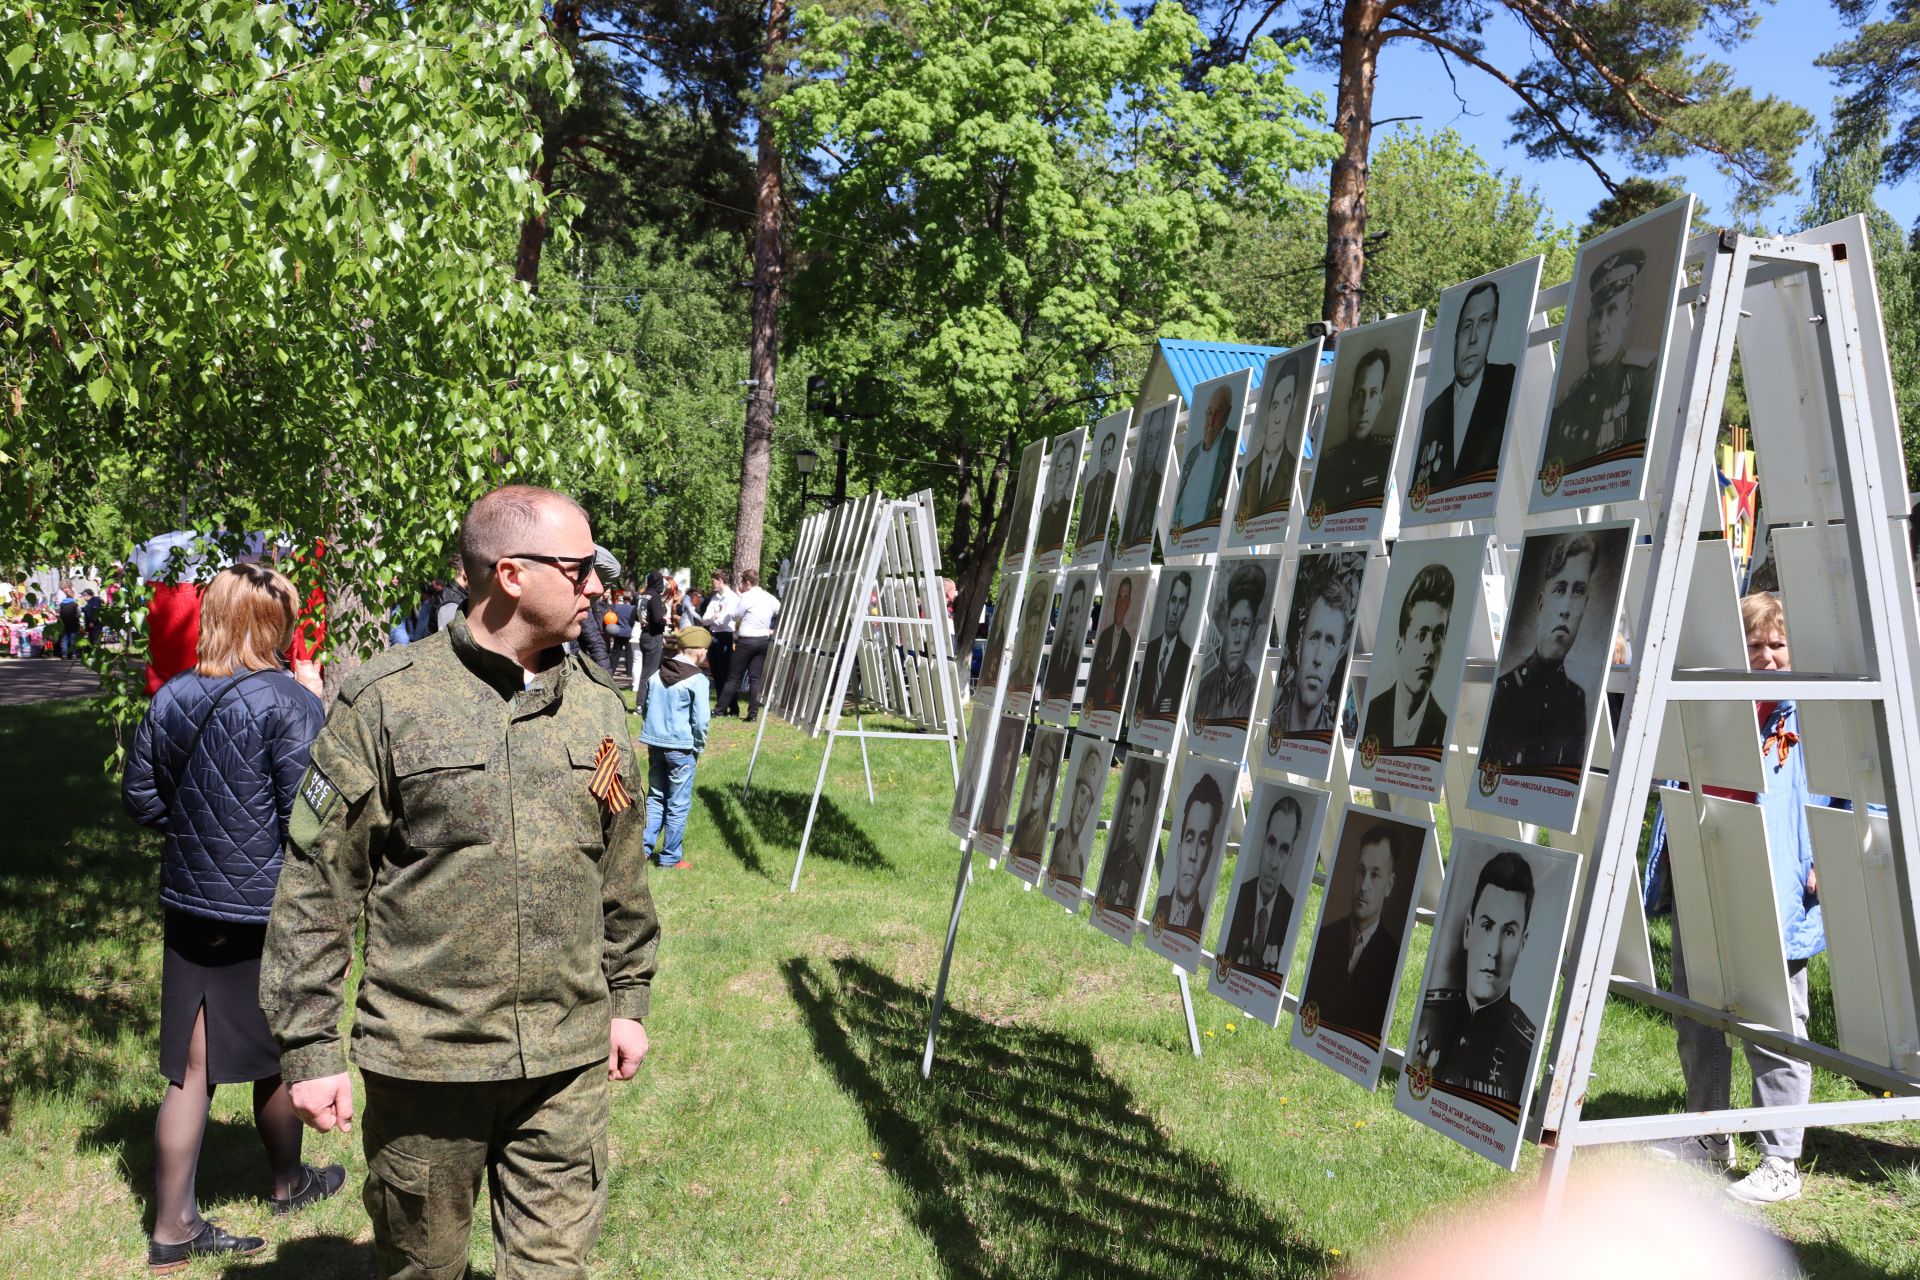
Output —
(1347, 192)
(756, 458)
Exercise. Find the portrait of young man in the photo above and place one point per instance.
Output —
(1069, 639)
(1464, 425)
(1242, 610)
(1539, 715)
(1031, 634)
(1266, 483)
(1407, 714)
(1029, 842)
(1357, 462)
(1096, 506)
(1133, 837)
(1193, 863)
(1472, 1037)
(1079, 811)
(1356, 955)
(1063, 476)
(1318, 641)
(1112, 666)
(1155, 447)
(1164, 665)
(1257, 925)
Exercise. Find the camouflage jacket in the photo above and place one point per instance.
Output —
(507, 912)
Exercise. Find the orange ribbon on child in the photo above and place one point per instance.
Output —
(606, 785)
(1780, 740)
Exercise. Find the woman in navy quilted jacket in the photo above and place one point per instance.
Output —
(214, 767)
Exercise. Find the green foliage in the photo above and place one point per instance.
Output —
(1881, 70)
(1015, 198)
(1438, 214)
(263, 250)
(1843, 181)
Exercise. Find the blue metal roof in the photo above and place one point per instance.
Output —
(1192, 363)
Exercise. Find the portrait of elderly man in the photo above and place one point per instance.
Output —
(1473, 1037)
(1131, 840)
(1257, 927)
(1096, 505)
(1267, 483)
(1538, 717)
(1464, 425)
(1358, 458)
(1314, 659)
(1356, 957)
(1224, 694)
(1074, 838)
(1063, 475)
(1113, 651)
(1194, 861)
(1611, 402)
(1149, 476)
(1408, 714)
(1202, 495)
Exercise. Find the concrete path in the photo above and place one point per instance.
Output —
(24, 680)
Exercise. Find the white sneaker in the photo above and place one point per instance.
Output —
(1709, 1153)
(1775, 1180)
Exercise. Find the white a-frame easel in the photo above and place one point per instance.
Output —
(1803, 314)
(866, 595)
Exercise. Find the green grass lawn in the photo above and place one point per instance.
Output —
(779, 1126)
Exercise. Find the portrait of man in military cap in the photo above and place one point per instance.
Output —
(1489, 985)
(1239, 614)
(1608, 404)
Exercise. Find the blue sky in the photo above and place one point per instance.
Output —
(1778, 59)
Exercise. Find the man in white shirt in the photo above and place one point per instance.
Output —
(717, 617)
(753, 617)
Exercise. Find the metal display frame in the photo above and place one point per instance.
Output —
(879, 608)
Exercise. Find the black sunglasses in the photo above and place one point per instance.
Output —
(580, 568)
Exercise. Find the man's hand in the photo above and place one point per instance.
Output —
(627, 1044)
(326, 1103)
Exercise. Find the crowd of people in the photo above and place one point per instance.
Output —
(54, 627)
(501, 994)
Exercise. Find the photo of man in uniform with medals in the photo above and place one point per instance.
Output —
(1465, 424)
(1407, 714)
(1472, 1039)
(1609, 404)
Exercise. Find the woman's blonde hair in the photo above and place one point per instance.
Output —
(1762, 612)
(247, 616)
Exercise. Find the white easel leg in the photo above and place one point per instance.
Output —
(813, 808)
(860, 723)
(960, 884)
(1186, 1006)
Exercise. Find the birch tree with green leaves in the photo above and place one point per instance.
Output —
(1013, 198)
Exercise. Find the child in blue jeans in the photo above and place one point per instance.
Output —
(675, 731)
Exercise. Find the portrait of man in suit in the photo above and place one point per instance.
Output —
(1407, 714)
(1356, 957)
(1149, 476)
(1193, 862)
(1113, 653)
(1096, 507)
(1465, 424)
(1163, 668)
(1130, 842)
(1062, 477)
(1069, 638)
(1202, 494)
(1355, 465)
(1257, 927)
(1267, 482)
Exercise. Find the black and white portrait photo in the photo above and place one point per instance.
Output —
(1316, 644)
(1272, 457)
(1190, 871)
(972, 768)
(1027, 847)
(1152, 456)
(1056, 508)
(1491, 968)
(996, 651)
(1026, 492)
(1116, 643)
(1239, 615)
(1372, 371)
(1479, 342)
(1100, 489)
(1271, 881)
(1030, 639)
(1607, 385)
(1069, 643)
(1360, 943)
(1159, 691)
(1086, 785)
(1208, 456)
(997, 796)
(1419, 655)
(1553, 671)
(1131, 843)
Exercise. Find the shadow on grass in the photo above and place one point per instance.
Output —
(1022, 1157)
(774, 818)
(233, 1164)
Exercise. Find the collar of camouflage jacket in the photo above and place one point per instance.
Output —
(501, 671)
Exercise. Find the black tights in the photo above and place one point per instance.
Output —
(182, 1124)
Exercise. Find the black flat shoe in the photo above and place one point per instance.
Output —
(315, 1185)
(162, 1258)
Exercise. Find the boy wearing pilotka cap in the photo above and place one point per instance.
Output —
(675, 733)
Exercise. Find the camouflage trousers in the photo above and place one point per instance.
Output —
(542, 1144)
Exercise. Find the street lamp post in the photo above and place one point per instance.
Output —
(804, 461)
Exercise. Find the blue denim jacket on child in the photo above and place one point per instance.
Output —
(677, 708)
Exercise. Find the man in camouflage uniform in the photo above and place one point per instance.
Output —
(1473, 1038)
(467, 798)
(1538, 718)
(1611, 404)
